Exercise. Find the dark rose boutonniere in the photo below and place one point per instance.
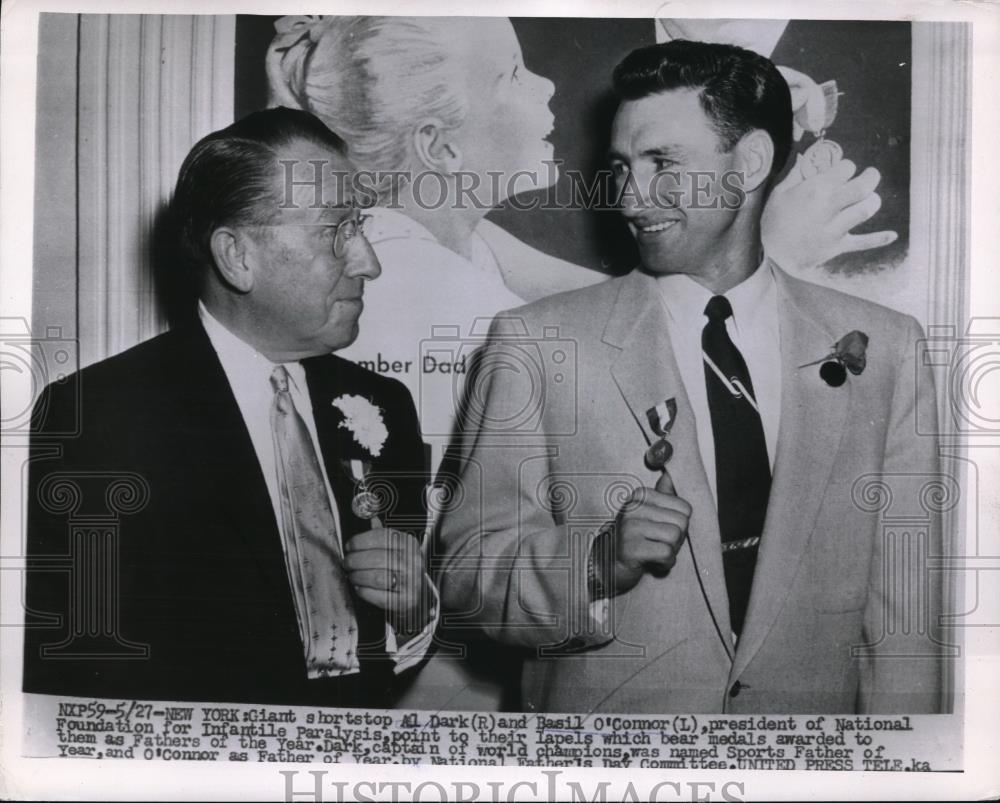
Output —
(848, 355)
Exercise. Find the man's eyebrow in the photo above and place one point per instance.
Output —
(333, 214)
(671, 151)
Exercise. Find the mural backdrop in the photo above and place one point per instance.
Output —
(870, 62)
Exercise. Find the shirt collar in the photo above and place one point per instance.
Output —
(685, 299)
(749, 296)
(242, 363)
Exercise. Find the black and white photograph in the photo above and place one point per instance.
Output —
(605, 397)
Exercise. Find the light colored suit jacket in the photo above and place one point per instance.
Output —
(843, 615)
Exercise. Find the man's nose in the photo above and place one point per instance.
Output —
(633, 193)
(362, 262)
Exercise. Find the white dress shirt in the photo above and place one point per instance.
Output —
(249, 375)
(753, 328)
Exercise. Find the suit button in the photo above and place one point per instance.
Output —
(735, 690)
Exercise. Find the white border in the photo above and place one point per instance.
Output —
(53, 778)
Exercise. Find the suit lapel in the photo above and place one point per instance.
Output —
(229, 462)
(813, 417)
(646, 374)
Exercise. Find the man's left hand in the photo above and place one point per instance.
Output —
(386, 569)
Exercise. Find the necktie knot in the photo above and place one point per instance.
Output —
(718, 309)
(279, 379)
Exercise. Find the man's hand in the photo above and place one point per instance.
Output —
(386, 569)
(808, 221)
(647, 536)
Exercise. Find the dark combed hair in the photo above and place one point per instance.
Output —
(740, 90)
(229, 177)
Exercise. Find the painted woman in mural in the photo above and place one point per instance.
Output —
(449, 103)
(429, 98)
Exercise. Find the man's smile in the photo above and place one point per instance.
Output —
(666, 224)
(646, 228)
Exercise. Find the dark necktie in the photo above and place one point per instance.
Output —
(742, 470)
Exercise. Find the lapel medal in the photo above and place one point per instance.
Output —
(366, 503)
(661, 419)
(658, 454)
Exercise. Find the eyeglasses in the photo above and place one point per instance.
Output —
(349, 228)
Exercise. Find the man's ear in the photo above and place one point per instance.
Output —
(756, 155)
(232, 250)
(435, 147)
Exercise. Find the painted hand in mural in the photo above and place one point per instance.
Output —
(808, 221)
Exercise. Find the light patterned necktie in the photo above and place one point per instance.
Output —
(312, 549)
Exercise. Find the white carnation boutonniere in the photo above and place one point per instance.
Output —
(364, 421)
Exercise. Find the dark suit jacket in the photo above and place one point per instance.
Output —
(155, 564)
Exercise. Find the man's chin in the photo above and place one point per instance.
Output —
(659, 263)
(340, 337)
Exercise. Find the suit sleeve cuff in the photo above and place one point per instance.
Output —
(598, 611)
(413, 650)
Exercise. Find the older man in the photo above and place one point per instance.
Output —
(742, 573)
(265, 493)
